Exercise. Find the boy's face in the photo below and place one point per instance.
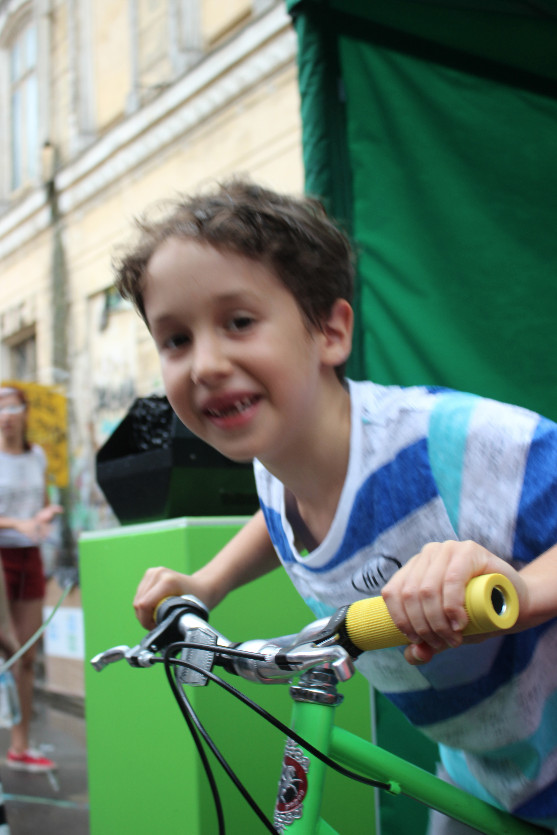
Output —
(240, 366)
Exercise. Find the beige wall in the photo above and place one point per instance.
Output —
(235, 110)
(111, 36)
(219, 18)
(25, 294)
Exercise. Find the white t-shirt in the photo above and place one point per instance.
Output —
(22, 490)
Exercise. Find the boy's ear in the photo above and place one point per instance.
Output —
(337, 333)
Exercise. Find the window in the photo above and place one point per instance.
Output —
(24, 96)
(21, 357)
(24, 113)
(165, 41)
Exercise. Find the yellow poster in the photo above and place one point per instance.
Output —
(48, 426)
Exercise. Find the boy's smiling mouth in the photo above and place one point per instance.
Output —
(231, 407)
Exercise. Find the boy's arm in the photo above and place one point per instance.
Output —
(426, 596)
(540, 576)
(249, 555)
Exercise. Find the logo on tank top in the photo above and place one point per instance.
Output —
(375, 573)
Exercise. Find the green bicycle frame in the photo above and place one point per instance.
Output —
(297, 811)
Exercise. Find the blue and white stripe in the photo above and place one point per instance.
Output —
(431, 465)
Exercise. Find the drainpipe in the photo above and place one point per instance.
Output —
(59, 307)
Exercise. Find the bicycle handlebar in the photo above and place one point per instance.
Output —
(491, 604)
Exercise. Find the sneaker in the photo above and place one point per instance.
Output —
(30, 760)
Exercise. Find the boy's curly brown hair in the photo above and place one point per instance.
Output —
(293, 236)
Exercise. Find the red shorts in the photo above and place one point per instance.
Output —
(23, 573)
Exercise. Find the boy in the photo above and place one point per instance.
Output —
(364, 489)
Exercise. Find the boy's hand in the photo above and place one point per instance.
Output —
(426, 596)
(158, 583)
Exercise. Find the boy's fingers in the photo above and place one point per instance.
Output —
(410, 597)
(142, 601)
(157, 584)
(426, 597)
(417, 654)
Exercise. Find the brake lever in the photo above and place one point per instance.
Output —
(109, 656)
(166, 632)
(181, 619)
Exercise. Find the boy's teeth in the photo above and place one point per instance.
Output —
(237, 406)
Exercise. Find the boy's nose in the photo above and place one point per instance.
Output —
(210, 361)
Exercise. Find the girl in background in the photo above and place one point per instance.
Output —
(25, 519)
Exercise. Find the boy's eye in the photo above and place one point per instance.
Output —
(241, 322)
(177, 340)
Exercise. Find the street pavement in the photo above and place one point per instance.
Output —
(54, 803)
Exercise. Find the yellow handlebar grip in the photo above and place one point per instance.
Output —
(157, 607)
(369, 625)
(491, 603)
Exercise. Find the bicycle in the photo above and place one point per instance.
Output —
(313, 662)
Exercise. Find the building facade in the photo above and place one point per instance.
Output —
(106, 108)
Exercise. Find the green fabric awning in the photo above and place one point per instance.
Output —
(430, 130)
